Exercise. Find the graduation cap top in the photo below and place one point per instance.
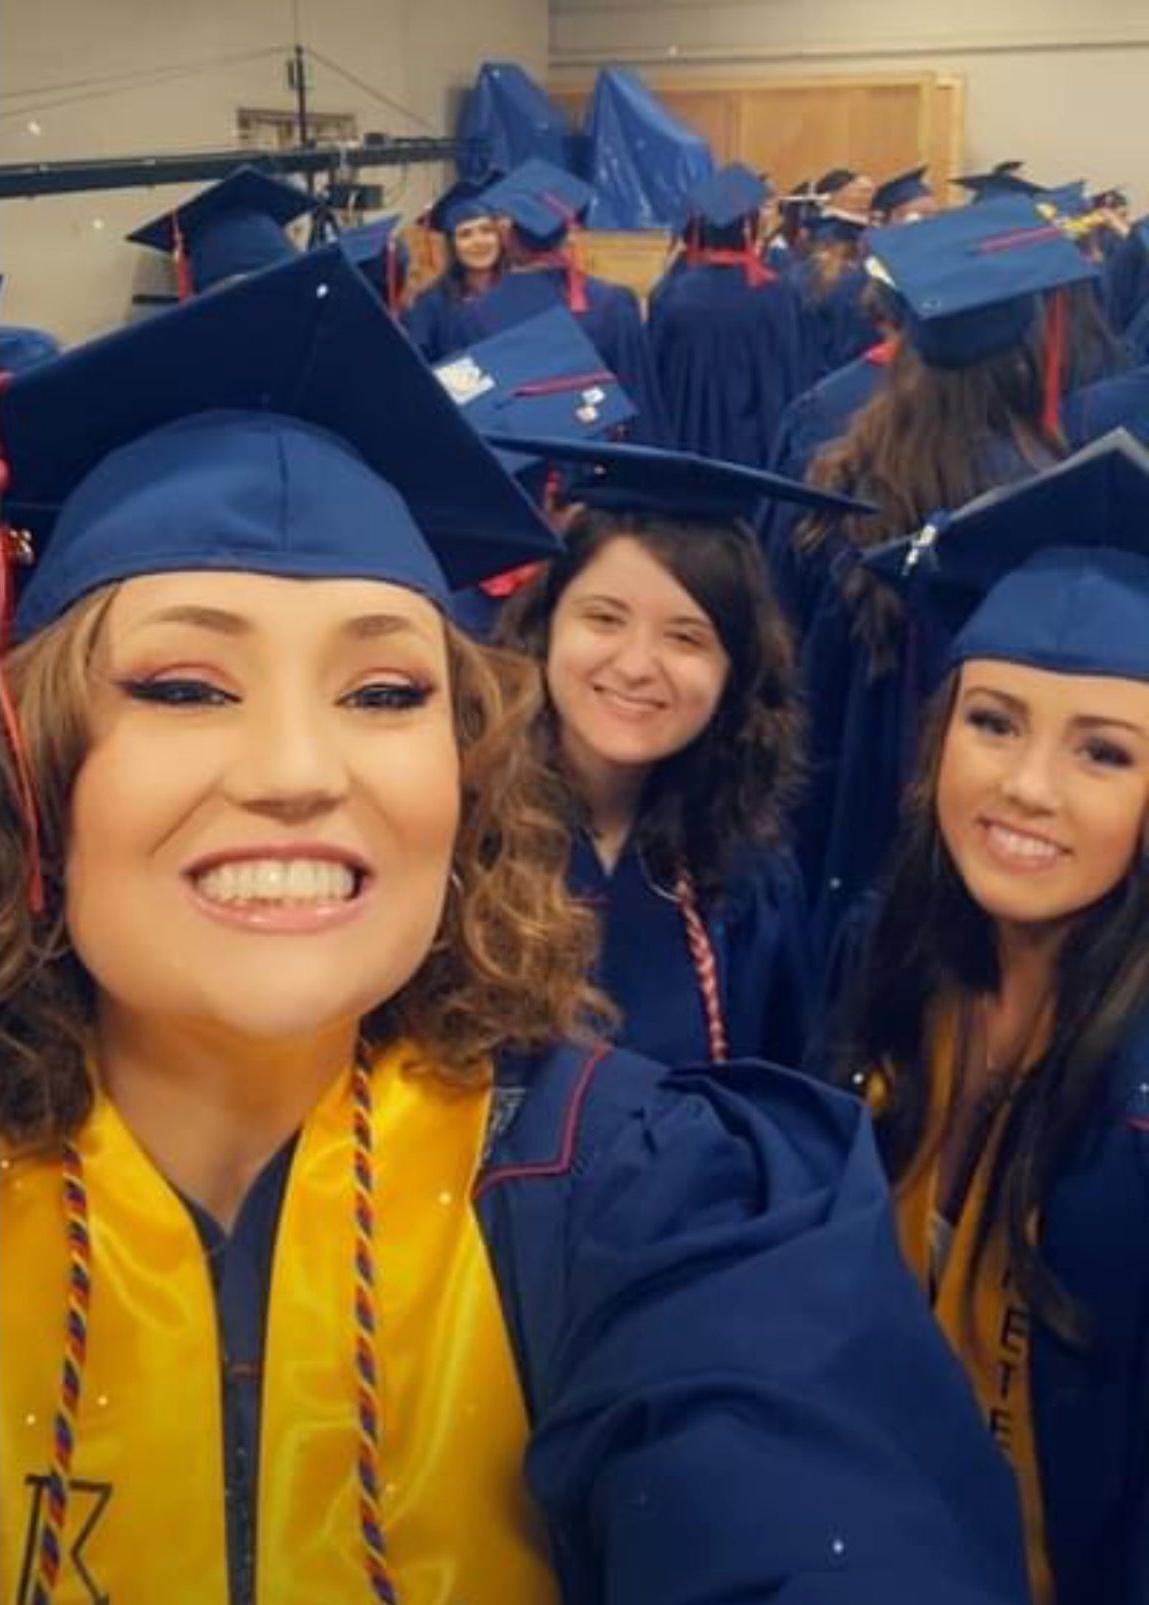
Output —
(970, 278)
(282, 426)
(1052, 573)
(541, 200)
(543, 377)
(233, 227)
(732, 193)
(1004, 178)
(679, 484)
(461, 203)
(902, 190)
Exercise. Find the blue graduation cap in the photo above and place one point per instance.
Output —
(461, 203)
(970, 278)
(1004, 178)
(283, 426)
(540, 377)
(830, 183)
(1052, 573)
(727, 196)
(233, 227)
(841, 226)
(1064, 200)
(678, 484)
(541, 200)
(380, 255)
(902, 190)
(22, 347)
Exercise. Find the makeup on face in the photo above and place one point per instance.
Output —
(262, 828)
(1043, 787)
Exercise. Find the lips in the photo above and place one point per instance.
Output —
(629, 706)
(295, 888)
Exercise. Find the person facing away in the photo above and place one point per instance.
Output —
(969, 401)
(999, 1022)
(725, 328)
(305, 1202)
(672, 725)
(476, 257)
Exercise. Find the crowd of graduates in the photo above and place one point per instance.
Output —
(796, 630)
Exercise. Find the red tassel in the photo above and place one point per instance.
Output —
(392, 276)
(16, 548)
(756, 272)
(510, 581)
(1055, 317)
(185, 289)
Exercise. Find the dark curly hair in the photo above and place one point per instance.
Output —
(732, 787)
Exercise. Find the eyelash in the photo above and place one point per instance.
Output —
(377, 697)
(1098, 751)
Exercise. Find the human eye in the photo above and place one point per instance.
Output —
(693, 639)
(388, 696)
(1106, 752)
(177, 691)
(989, 720)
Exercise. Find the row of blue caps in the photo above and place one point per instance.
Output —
(286, 426)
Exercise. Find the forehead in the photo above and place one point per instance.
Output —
(271, 606)
(1094, 696)
(625, 570)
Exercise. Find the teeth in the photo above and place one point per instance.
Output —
(1016, 845)
(272, 880)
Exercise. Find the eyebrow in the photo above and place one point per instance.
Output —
(1081, 721)
(368, 627)
(699, 619)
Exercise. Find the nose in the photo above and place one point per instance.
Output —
(288, 763)
(1030, 781)
(634, 657)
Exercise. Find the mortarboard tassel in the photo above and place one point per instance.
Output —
(1055, 320)
(391, 270)
(16, 548)
(185, 289)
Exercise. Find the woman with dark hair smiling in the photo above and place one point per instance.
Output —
(476, 257)
(339, 1262)
(1000, 1021)
(673, 719)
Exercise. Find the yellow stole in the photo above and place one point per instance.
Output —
(989, 1331)
(146, 1515)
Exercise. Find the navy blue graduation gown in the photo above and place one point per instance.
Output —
(1125, 277)
(1137, 336)
(612, 322)
(1091, 1409)
(862, 727)
(824, 412)
(760, 937)
(728, 356)
(433, 321)
(733, 1386)
(1121, 402)
(835, 329)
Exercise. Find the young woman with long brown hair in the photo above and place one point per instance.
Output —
(313, 1228)
(672, 722)
(1000, 1020)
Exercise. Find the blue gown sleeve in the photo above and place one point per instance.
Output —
(746, 1399)
(434, 323)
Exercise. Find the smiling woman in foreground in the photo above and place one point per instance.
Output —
(1001, 1022)
(314, 1232)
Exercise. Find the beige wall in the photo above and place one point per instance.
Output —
(174, 75)
(1061, 83)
